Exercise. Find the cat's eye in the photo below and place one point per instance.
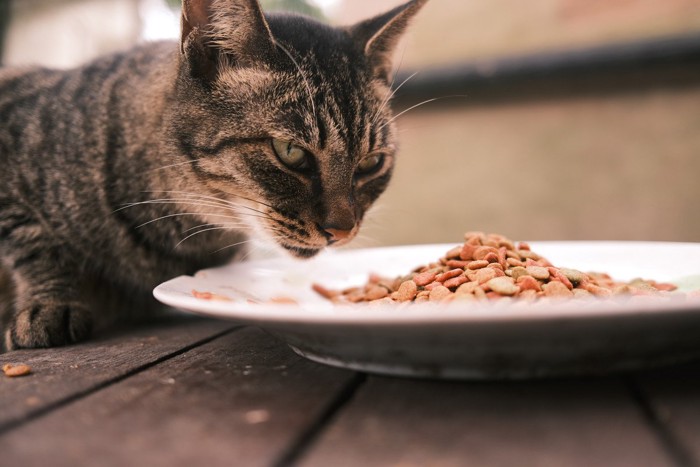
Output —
(370, 164)
(291, 155)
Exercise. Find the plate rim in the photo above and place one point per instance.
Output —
(325, 314)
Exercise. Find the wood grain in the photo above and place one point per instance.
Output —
(63, 373)
(674, 397)
(549, 423)
(242, 399)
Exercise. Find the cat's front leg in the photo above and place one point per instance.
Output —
(46, 310)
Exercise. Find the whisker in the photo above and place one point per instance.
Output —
(187, 201)
(215, 203)
(195, 196)
(233, 245)
(396, 71)
(386, 101)
(174, 165)
(428, 101)
(220, 224)
(181, 214)
(228, 202)
(210, 229)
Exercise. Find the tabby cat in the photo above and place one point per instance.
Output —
(160, 161)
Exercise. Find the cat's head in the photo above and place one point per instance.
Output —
(288, 117)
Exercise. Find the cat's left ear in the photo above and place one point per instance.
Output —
(380, 35)
(235, 28)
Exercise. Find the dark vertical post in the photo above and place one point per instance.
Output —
(4, 24)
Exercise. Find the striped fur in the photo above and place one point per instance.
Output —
(107, 168)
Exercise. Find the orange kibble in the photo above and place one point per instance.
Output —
(528, 283)
(455, 282)
(424, 278)
(439, 293)
(556, 289)
(482, 263)
(467, 252)
(449, 275)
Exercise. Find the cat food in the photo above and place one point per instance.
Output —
(210, 296)
(276, 300)
(13, 371)
(490, 266)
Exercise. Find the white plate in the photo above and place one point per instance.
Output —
(470, 340)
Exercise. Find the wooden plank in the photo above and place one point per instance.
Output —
(60, 374)
(243, 399)
(673, 398)
(549, 423)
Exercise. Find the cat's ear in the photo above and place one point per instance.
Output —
(380, 35)
(236, 29)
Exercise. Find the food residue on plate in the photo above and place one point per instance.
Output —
(210, 296)
(277, 300)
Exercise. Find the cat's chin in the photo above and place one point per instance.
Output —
(302, 253)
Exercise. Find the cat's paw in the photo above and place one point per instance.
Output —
(47, 325)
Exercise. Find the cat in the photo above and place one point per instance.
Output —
(165, 159)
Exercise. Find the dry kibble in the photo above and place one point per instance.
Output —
(538, 272)
(449, 275)
(467, 288)
(455, 282)
(517, 272)
(513, 262)
(439, 293)
(558, 276)
(13, 371)
(376, 292)
(425, 278)
(407, 291)
(576, 277)
(503, 286)
(598, 291)
(491, 257)
(556, 289)
(484, 251)
(529, 283)
(325, 292)
(482, 263)
(581, 293)
(484, 275)
(467, 252)
(492, 267)
(453, 253)
(498, 267)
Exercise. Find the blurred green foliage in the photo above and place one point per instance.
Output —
(298, 6)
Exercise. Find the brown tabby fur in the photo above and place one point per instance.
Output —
(108, 167)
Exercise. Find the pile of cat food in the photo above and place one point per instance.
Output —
(490, 266)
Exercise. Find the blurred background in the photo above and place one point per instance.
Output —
(555, 119)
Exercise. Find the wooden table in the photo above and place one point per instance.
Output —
(189, 392)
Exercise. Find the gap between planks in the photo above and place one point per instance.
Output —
(309, 436)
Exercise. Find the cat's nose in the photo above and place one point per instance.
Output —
(336, 235)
